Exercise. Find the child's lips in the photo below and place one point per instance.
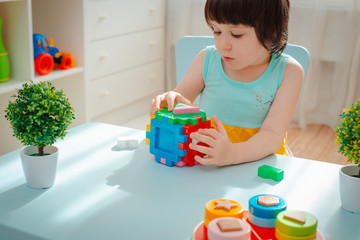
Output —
(228, 59)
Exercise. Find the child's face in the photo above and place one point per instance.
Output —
(238, 45)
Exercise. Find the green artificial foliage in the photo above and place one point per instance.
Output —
(348, 133)
(39, 115)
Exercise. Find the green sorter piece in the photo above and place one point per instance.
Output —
(266, 171)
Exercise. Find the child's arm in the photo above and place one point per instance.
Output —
(222, 152)
(186, 92)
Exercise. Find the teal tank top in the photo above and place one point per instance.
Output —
(237, 104)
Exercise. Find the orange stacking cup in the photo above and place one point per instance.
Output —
(222, 208)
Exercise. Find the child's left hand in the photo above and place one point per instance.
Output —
(220, 150)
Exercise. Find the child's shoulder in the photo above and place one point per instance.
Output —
(293, 67)
(293, 72)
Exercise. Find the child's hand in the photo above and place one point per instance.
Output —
(169, 99)
(220, 150)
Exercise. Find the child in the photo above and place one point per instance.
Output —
(248, 87)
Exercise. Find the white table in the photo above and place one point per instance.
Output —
(103, 193)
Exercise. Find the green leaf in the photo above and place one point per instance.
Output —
(348, 133)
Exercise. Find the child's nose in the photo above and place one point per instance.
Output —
(225, 44)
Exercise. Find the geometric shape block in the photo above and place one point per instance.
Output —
(225, 205)
(229, 224)
(266, 212)
(213, 211)
(219, 229)
(182, 119)
(184, 110)
(292, 228)
(268, 200)
(269, 172)
(180, 164)
(262, 222)
(295, 216)
(123, 142)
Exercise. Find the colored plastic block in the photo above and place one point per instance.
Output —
(289, 225)
(266, 171)
(268, 212)
(182, 119)
(164, 141)
(229, 228)
(188, 129)
(264, 208)
(222, 208)
(260, 232)
(184, 109)
(262, 222)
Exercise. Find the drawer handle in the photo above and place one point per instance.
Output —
(152, 9)
(104, 93)
(104, 55)
(102, 17)
(152, 43)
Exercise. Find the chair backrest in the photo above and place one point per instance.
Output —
(188, 47)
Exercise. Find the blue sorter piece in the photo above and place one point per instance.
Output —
(165, 139)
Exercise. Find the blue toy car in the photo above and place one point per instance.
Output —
(45, 55)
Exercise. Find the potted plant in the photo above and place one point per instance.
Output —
(39, 116)
(348, 140)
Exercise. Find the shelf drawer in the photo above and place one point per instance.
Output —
(117, 90)
(110, 18)
(120, 53)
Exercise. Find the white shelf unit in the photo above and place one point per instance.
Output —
(118, 47)
(124, 57)
(62, 20)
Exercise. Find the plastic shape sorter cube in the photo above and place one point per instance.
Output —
(168, 136)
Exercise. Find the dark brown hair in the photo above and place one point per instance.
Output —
(269, 18)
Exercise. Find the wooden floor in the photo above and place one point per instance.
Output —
(316, 142)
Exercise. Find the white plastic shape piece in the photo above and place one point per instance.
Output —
(123, 142)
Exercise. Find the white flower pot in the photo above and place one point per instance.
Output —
(350, 188)
(39, 171)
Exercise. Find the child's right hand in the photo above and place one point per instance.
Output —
(169, 99)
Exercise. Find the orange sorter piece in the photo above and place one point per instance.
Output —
(222, 208)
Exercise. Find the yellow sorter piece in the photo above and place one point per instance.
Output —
(222, 208)
(148, 127)
(281, 236)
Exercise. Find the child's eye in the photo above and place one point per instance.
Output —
(237, 35)
(217, 32)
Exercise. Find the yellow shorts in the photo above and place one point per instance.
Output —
(239, 134)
